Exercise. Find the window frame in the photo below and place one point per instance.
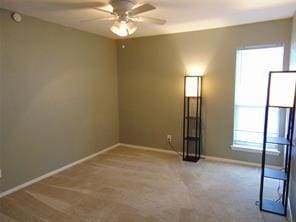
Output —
(242, 147)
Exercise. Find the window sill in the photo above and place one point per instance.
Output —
(273, 152)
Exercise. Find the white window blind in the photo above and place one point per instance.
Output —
(252, 71)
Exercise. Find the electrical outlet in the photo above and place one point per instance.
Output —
(169, 138)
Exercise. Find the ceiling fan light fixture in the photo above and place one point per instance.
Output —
(123, 28)
(119, 29)
(131, 27)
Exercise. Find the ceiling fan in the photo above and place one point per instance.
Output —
(125, 14)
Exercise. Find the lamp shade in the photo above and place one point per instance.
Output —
(192, 86)
(282, 89)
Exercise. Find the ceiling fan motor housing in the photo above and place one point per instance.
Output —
(121, 7)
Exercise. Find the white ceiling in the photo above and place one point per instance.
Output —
(181, 15)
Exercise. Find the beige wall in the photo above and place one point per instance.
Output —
(293, 168)
(151, 71)
(1, 42)
(60, 98)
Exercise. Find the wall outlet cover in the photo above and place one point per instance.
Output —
(169, 138)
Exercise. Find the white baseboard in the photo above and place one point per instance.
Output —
(239, 162)
(147, 148)
(290, 214)
(5, 193)
(213, 158)
(203, 156)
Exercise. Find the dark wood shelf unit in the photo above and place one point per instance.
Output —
(272, 206)
(192, 123)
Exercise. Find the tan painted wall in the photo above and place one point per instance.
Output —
(1, 58)
(151, 71)
(293, 168)
(60, 98)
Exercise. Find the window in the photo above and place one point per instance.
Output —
(252, 70)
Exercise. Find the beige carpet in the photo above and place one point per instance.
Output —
(126, 184)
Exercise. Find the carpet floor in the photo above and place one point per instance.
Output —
(127, 185)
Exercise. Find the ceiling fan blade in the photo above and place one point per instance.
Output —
(145, 19)
(141, 9)
(98, 19)
(60, 6)
(104, 10)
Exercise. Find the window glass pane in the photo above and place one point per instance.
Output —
(252, 70)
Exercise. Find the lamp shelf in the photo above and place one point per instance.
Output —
(273, 207)
(275, 174)
(278, 140)
(192, 117)
(191, 138)
(191, 158)
(280, 107)
(193, 97)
